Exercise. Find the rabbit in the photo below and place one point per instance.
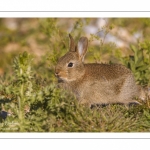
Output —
(94, 83)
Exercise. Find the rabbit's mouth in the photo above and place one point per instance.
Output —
(64, 79)
(60, 78)
(61, 75)
(64, 76)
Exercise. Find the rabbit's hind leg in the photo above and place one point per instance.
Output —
(129, 90)
(130, 103)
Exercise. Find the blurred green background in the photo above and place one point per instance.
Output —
(39, 36)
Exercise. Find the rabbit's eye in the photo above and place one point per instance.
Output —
(70, 64)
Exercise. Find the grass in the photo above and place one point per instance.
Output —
(31, 102)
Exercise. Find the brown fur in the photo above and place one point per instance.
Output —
(95, 83)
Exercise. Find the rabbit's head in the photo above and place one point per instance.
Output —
(70, 67)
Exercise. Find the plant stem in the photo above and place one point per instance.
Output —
(21, 101)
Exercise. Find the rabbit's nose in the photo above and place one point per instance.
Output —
(57, 72)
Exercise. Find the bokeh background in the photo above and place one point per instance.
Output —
(39, 36)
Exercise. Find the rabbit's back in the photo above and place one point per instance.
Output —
(105, 71)
(106, 83)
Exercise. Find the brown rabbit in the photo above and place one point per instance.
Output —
(95, 83)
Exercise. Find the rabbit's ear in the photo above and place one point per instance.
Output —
(82, 47)
(71, 44)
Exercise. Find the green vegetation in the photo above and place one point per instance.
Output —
(29, 98)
